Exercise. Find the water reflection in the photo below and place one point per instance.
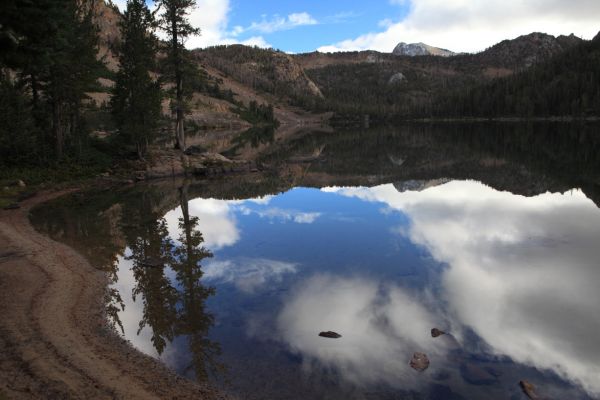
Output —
(474, 233)
(163, 276)
(522, 272)
(249, 274)
(382, 324)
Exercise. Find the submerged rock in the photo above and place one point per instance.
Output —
(476, 375)
(419, 361)
(435, 332)
(330, 334)
(529, 390)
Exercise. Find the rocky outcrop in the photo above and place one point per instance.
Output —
(396, 78)
(420, 49)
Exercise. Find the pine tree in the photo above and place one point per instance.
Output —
(136, 101)
(73, 70)
(174, 21)
(53, 46)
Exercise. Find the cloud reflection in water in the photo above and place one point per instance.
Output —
(248, 274)
(381, 324)
(522, 272)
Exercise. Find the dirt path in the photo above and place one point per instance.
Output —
(54, 340)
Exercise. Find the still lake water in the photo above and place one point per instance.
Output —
(489, 234)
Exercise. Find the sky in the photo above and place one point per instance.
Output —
(343, 25)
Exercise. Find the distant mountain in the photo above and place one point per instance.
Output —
(420, 49)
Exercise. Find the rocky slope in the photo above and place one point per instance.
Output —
(267, 70)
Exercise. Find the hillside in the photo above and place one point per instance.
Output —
(567, 84)
(226, 83)
(373, 77)
(266, 70)
(380, 84)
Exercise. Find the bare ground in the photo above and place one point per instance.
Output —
(54, 339)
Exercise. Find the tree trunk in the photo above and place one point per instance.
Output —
(179, 124)
(183, 197)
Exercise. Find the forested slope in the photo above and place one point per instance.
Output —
(565, 85)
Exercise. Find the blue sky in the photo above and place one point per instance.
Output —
(331, 21)
(341, 25)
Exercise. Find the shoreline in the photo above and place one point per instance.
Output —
(55, 341)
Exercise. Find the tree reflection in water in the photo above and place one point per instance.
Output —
(171, 307)
(193, 320)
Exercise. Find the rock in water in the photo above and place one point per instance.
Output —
(435, 332)
(419, 361)
(529, 390)
(330, 334)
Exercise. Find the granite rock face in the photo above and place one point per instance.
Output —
(420, 49)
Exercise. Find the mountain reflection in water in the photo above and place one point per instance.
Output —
(232, 280)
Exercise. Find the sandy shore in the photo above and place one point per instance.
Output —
(54, 339)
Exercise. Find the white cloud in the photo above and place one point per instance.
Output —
(465, 25)
(122, 4)
(216, 221)
(277, 23)
(298, 217)
(248, 274)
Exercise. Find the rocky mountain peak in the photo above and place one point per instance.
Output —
(528, 49)
(420, 49)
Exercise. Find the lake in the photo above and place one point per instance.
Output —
(487, 232)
